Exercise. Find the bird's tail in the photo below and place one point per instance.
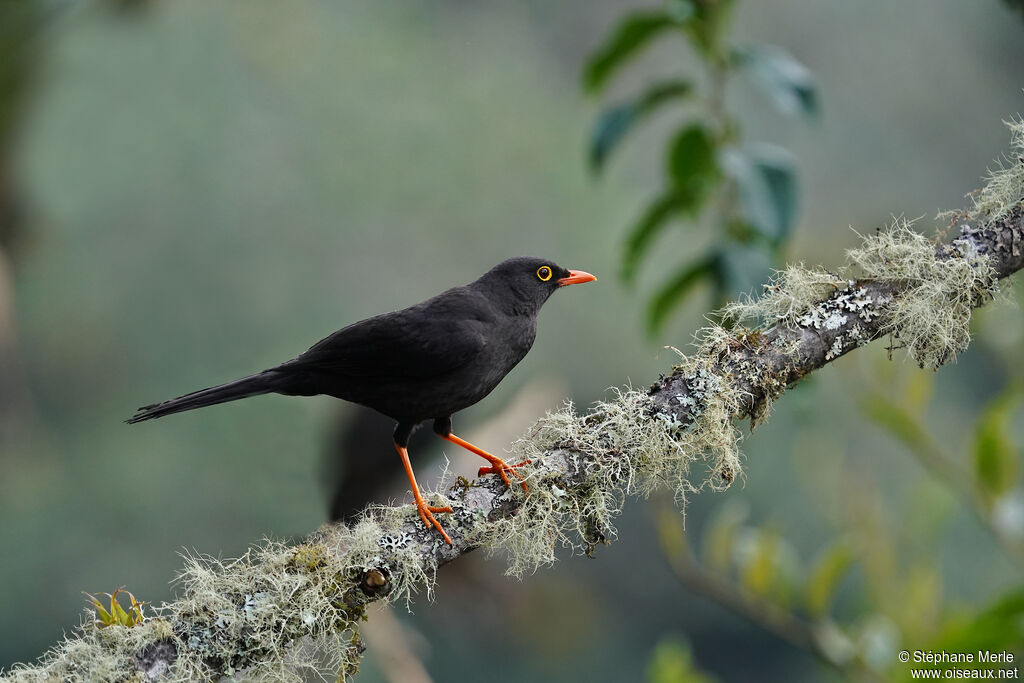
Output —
(263, 383)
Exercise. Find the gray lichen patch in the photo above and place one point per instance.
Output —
(629, 445)
(938, 290)
(792, 292)
(279, 613)
(255, 614)
(96, 654)
(247, 614)
(1004, 188)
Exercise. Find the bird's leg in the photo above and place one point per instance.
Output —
(426, 512)
(443, 428)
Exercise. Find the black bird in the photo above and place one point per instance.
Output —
(425, 362)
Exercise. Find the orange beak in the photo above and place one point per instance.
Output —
(575, 278)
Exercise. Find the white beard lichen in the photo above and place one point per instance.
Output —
(279, 612)
(624, 446)
(1004, 188)
(938, 291)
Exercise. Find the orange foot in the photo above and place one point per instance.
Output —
(498, 466)
(502, 469)
(427, 515)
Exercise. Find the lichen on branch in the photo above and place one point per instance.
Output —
(282, 611)
(1004, 186)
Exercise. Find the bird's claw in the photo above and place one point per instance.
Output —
(501, 468)
(426, 513)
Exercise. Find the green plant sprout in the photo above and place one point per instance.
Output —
(117, 615)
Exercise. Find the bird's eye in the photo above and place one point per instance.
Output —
(544, 273)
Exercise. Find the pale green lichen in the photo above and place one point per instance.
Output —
(278, 613)
(245, 615)
(938, 291)
(94, 654)
(1004, 188)
(624, 446)
(791, 292)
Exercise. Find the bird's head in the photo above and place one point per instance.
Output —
(527, 282)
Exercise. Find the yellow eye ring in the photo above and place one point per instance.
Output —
(544, 273)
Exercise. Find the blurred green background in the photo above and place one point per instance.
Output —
(205, 189)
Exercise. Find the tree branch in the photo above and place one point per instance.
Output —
(280, 609)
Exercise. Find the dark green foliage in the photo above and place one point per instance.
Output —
(632, 34)
(788, 84)
(999, 626)
(676, 289)
(672, 662)
(995, 457)
(1016, 5)
(709, 24)
(825, 575)
(693, 171)
(647, 228)
(615, 122)
(765, 179)
(752, 190)
(691, 159)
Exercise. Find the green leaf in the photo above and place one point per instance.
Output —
(708, 26)
(121, 617)
(672, 533)
(694, 172)
(691, 161)
(632, 34)
(615, 122)
(760, 569)
(720, 535)
(825, 576)
(673, 292)
(997, 627)
(789, 84)
(655, 218)
(919, 598)
(102, 615)
(741, 268)
(766, 180)
(672, 662)
(898, 422)
(1000, 626)
(995, 458)
(766, 565)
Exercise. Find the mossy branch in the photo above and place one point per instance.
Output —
(280, 611)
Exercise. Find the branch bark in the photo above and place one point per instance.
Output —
(255, 614)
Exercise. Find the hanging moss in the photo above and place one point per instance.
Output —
(1004, 187)
(279, 613)
(939, 289)
(624, 446)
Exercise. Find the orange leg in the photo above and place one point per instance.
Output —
(426, 511)
(498, 466)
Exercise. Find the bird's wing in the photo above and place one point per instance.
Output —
(411, 343)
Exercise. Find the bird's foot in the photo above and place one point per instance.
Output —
(426, 513)
(498, 466)
(502, 469)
